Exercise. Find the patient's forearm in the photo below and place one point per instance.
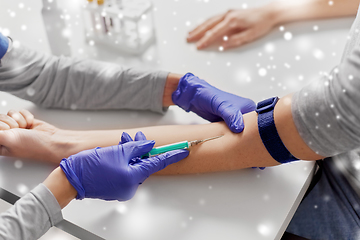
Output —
(230, 152)
(290, 11)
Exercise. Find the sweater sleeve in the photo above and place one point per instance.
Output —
(31, 216)
(327, 112)
(69, 83)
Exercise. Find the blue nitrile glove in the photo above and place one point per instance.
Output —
(196, 95)
(4, 45)
(139, 136)
(125, 137)
(111, 173)
(261, 168)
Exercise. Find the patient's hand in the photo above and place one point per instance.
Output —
(25, 137)
(16, 119)
(234, 28)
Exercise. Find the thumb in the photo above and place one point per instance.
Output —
(137, 148)
(233, 119)
(157, 163)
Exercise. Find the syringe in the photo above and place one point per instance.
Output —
(175, 146)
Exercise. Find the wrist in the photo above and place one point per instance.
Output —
(171, 84)
(60, 187)
(277, 11)
(64, 144)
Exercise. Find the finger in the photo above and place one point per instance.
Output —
(234, 120)
(199, 31)
(233, 117)
(240, 39)
(9, 121)
(28, 116)
(138, 148)
(4, 126)
(216, 33)
(125, 137)
(248, 107)
(261, 168)
(154, 164)
(140, 136)
(18, 118)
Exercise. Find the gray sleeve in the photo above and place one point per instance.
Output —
(31, 216)
(327, 112)
(61, 82)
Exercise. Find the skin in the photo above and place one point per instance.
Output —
(60, 187)
(230, 152)
(243, 26)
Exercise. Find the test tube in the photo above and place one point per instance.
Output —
(102, 17)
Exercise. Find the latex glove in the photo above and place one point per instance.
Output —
(234, 27)
(196, 95)
(110, 173)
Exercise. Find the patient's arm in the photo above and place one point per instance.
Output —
(230, 152)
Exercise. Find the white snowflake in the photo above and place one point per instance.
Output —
(318, 54)
(288, 36)
(30, 91)
(262, 72)
(18, 164)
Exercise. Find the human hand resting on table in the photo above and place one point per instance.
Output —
(115, 172)
(196, 95)
(234, 28)
(25, 137)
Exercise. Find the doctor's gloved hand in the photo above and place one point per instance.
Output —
(196, 95)
(114, 173)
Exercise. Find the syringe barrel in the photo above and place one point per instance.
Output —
(167, 148)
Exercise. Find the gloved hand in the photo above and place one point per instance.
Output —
(114, 173)
(261, 168)
(196, 95)
(125, 137)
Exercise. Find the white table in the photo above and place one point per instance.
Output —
(245, 204)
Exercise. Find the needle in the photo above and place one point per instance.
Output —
(196, 142)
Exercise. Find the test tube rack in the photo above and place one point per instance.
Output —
(125, 25)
